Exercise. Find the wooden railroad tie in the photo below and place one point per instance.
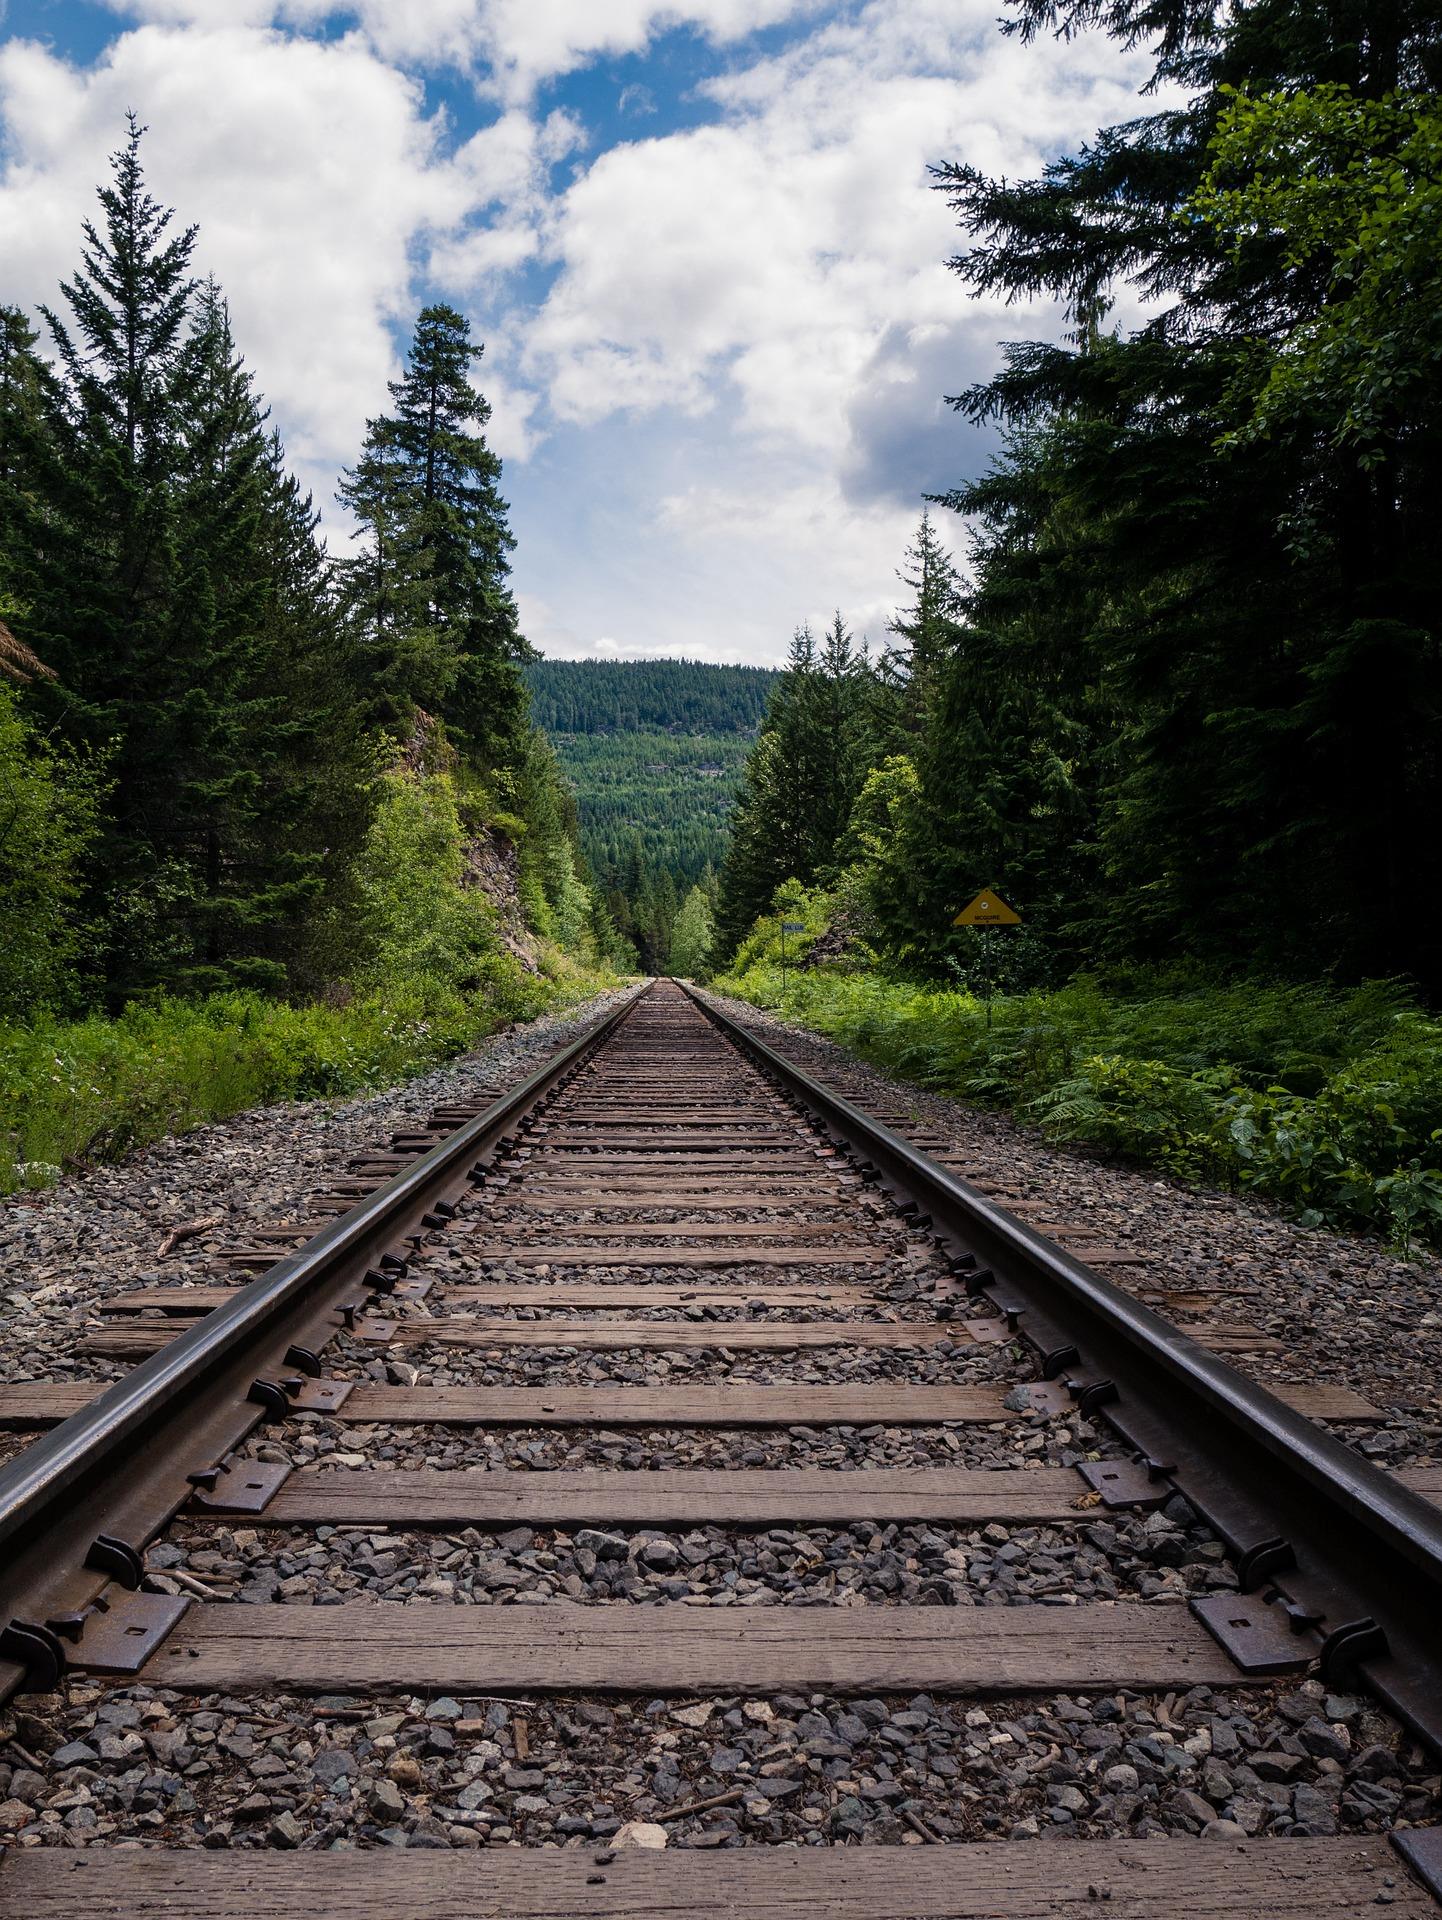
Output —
(44, 1403)
(678, 1497)
(677, 1649)
(1175, 1879)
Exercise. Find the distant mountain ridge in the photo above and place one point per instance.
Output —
(632, 696)
(654, 750)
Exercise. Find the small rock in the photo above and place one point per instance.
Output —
(640, 1833)
(386, 1800)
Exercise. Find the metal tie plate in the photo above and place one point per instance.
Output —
(248, 1486)
(124, 1630)
(1257, 1634)
(1125, 1483)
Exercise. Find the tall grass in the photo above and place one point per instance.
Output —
(1330, 1102)
(74, 1093)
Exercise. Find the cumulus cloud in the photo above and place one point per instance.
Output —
(310, 166)
(514, 45)
(792, 254)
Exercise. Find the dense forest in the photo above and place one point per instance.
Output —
(637, 696)
(654, 750)
(256, 802)
(1180, 698)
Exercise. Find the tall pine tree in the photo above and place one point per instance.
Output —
(431, 585)
(1262, 603)
(106, 587)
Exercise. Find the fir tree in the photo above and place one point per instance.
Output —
(1260, 606)
(431, 587)
(801, 778)
(929, 629)
(106, 584)
(29, 452)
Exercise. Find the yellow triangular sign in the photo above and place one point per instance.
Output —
(987, 910)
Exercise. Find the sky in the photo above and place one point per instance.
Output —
(698, 241)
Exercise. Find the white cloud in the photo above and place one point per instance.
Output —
(748, 327)
(514, 45)
(792, 255)
(310, 167)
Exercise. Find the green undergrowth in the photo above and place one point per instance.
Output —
(76, 1093)
(1328, 1102)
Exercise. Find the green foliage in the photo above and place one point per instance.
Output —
(1195, 705)
(802, 776)
(654, 750)
(1354, 188)
(647, 696)
(429, 588)
(74, 1094)
(412, 918)
(669, 794)
(163, 565)
(49, 804)
(1328, 1102)
(195, 795)
(691, 936)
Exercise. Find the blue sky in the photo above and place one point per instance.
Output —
(697, 240)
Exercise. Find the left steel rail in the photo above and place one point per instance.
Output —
(78, 1507)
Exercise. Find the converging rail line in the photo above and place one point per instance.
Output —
(507, 1324)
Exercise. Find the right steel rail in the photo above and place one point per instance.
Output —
(1337, 1560)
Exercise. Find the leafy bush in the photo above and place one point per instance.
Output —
(48, 809)
(78, 1092)
(1329, 1102)
(428, 977)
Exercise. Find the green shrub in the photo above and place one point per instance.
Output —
(48, 810)
(78, 1092)
(1327, 1101)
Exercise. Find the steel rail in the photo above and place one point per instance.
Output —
(120, 1468)
(1347, 1556)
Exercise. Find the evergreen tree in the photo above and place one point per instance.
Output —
(801, 780)
(928, 632)
(430, 588)
(403, 659)
(29, 480)
(1254, 610)
(104, 593)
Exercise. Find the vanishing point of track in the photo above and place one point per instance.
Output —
(669, 1187)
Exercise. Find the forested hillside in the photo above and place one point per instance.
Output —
(272, 821)
(634, 696)
(654, 750)
(1181, 703)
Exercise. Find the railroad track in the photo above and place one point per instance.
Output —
(668, 1452)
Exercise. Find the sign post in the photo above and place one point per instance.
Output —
(988, 910)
